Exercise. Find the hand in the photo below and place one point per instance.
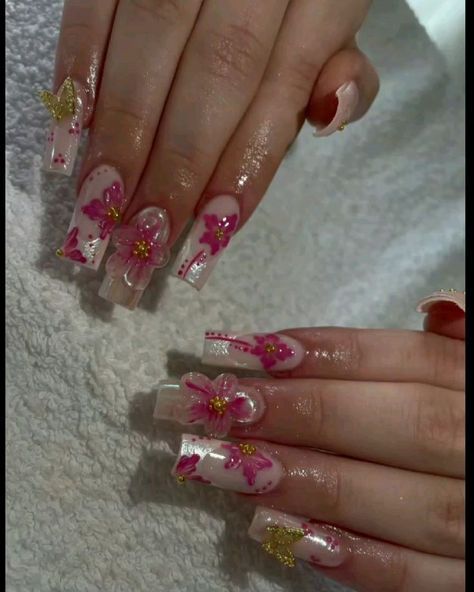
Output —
(192, 106)
(354, 449)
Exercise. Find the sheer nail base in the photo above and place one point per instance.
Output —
(117, 292)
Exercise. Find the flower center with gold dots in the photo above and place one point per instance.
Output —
(247, 449)
(219, 234)
(141, 249)
(218, 404)
(114, 214)
(270, 348)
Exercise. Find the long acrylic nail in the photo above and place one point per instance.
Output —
(337, 109)
(141, 247)
(207, 239)
(64, 133)
(451, 296)
(286, 537)
(98, 210)
(229, 465)
(216, 404)
(254, 351)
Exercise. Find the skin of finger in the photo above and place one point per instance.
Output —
(306, 40)
(415, 510)
(83, 38)
(346, 66)
(218, 76)
(380, 355)
(446, 319)
(144, 51)
(411, 426)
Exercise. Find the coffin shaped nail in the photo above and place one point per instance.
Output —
(64, 134)
(207, 240)
(141, 247)
(98, 210)
(254, 351)
(286, 537)
(451, 296)
(337, 109)
(238, 466)
(216, 404)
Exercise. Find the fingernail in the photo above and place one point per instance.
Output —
(141, 247)
(286, 537)
(229, 465)
(98, 209)
(64, 134)
(255, 351)
(207, 239)
(451, 296)
(336, 110)
(217, 404)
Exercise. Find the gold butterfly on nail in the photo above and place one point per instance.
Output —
(279, 543)
(63, 105)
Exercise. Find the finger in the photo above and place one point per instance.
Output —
(416, 510)
(83, 38)
(364, 564)
(446, 313)
(144, 50)
(349, 354)
(269, 126)
(344, 91)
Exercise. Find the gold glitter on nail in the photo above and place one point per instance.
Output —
(343, 126)
(181, 479)
(279, 542)
(62, 106)
(247, 449)
(59, 252)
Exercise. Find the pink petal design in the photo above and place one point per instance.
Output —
(270, 358)
(187, 464)
(126, 235)
(95, 210)
(198, 384)
(256, 462)
(159, 256)
(70, 244)
(239, 408)
(225, 385)
(235, 457)
(226, 224)
(218, 425)
(113, 196)
(76, 255)
(71, 239)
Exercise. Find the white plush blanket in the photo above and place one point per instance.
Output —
(353, 231)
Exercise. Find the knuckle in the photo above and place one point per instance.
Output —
(446, 359)
(446, 516)
(353, 352)
(334, 488)
(395, 573)
(167, 11)
(316, 412)
(186, 158)
(301, 74)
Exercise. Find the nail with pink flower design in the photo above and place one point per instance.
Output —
(216, 404)
(141, 247)
(98, 209)
(207, 239)
(286, 537)
(255, 351)
(238, 466)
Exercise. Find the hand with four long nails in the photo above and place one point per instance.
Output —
(353, 449)
(191, 106)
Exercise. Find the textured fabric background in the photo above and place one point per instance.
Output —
(354, 229)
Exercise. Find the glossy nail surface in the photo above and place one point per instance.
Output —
(338, 110)
(216, 404)
(207, 240)
(238, 466)
(254, 351)
(286, 537)
(64, 134)
(451, 296)
(141, 247)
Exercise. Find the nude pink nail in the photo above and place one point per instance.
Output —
(347, 98)
(207, 240)
(64, 133)
(216, 404)
(451, 296)
(286, 537)
(254, 351)
(98, 210)
(238, 466)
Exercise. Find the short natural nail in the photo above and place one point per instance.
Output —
(141, 247)
(450, 296)
(255, 351)
(336, 110)
(207, 240)
(287, 537)
(238, 466)
(216, 404)
(98, 210)
(64, 134)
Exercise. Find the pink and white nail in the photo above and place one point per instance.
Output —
(141, 247)
(98, 210)
(207, 239)
(450, 296)
(253, 351)
(347, 97)
(285, 537)
(238, 466)
(217, 404)
(64, 134)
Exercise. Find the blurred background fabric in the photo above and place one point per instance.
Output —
(353, 231)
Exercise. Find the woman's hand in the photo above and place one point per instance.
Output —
(192, 105)
(354, 449)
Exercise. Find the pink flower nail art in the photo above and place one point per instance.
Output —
(219, 231)
(246, 457)
(69, 250)
(271, 349)
(186, 467)
(107, 210)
